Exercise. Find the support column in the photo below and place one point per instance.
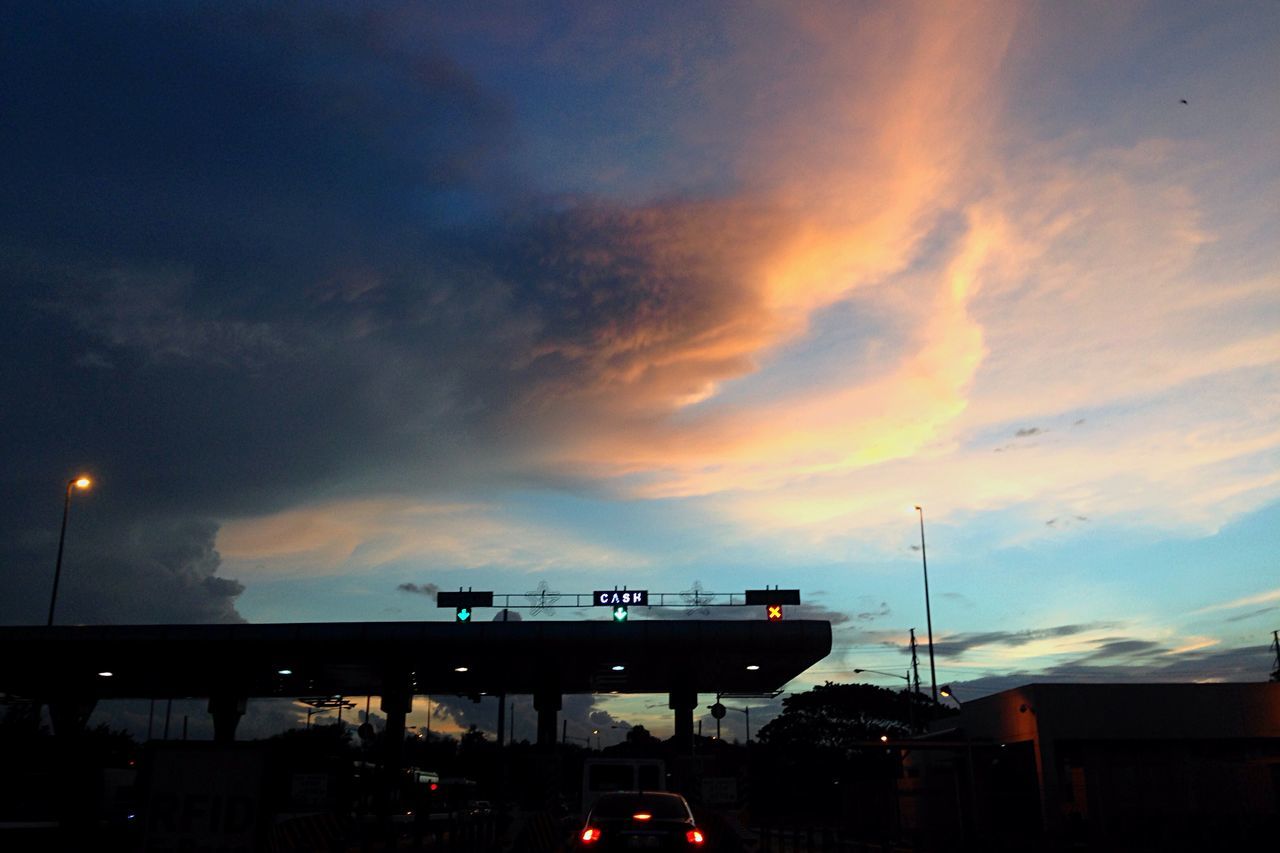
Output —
(77, 825)
(397, 702)
(547, 704)
(683, 702)
(545, 771)
(227, 709)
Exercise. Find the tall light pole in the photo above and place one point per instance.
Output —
(81, 482)
(933, 673)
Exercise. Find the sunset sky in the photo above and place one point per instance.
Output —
(340, 304)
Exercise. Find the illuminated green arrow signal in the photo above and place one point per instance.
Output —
(620, 613)
(463, 614)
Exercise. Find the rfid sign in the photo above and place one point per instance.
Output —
(623, 597)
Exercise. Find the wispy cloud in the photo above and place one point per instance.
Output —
(1247, 601)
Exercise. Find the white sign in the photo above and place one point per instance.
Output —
(614, 597)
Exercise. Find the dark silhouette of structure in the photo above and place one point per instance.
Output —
(1133, 765)
(71, 667)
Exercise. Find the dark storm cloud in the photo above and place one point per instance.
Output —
(959, 644)
(157, 569)
(1244, 616)
(1120, 649)
(212, 302)
(229, 207)
(256, 253)
(427, 589)
(1146, 662)
(818, 611)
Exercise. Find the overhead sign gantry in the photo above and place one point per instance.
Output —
(618, 600)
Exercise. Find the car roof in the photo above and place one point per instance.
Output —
(644, 793)
(667, 802)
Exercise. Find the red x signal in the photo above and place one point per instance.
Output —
(773, 612)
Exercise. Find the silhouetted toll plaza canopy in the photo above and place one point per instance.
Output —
(358, 658)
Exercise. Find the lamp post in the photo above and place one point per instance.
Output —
(928, 616)
(905, 678)
(948, 693)
(81, 482)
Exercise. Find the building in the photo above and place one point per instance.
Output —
(1111, 766)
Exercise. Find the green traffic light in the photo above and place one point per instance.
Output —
(620, 614)
(463, 614)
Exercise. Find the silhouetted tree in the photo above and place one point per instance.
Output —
(474, 739)
(837, 716)
(821, 756)
(640, 736)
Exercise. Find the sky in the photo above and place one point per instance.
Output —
(342, 304)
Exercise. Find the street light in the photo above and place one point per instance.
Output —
(948, 693)
(906, 678)
(81, 482)
(933, 673)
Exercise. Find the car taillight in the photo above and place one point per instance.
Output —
(590, 835)
(695, 837)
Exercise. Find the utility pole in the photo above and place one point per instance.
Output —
(1275, 644)
(915, 661)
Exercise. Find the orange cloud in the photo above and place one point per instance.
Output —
(840, 187)
(361, 535)
(1078, 284)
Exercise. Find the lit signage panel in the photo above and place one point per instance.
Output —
(614, 597)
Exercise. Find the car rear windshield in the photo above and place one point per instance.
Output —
(626, 805)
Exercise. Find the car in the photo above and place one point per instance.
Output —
(640, 820)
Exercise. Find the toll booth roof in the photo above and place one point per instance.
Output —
(358, 658)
